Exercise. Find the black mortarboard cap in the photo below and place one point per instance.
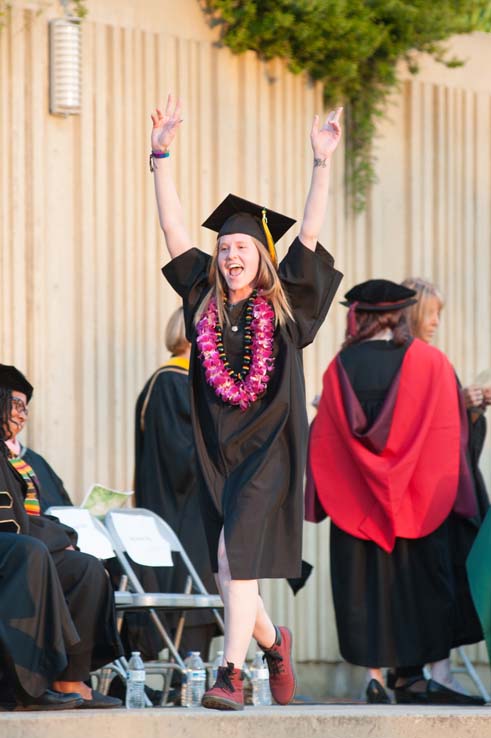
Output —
(380, 295)
(236, 215)
(12, 379)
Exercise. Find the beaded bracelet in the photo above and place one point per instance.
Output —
(157, 155)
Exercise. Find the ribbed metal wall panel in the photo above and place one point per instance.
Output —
(83, 304)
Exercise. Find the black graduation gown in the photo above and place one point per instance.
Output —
(405, 608)
(252, 462)
(36, 629)
(84, 581)
(51, 489)
(166, 475)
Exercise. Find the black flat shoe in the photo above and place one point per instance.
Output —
(404, 695)
(376, 694)
(51, 700)
(99, 701)
(438, 694)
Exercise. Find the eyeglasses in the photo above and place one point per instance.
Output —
(19, 406)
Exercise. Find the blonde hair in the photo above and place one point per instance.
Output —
(175, 333)
(267, 281)
(425, 291)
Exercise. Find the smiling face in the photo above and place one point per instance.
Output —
(18, 415)
(430, 319)
(238, 262)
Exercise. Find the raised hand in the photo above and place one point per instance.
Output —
(325, 140)
(165, 124)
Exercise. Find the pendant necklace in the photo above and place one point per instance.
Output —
(235, 325)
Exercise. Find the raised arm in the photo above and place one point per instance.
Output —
(324, 142)
(165, 125)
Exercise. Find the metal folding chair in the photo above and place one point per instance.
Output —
(140, 536)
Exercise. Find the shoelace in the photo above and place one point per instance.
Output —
(223, 679)
(274, 661)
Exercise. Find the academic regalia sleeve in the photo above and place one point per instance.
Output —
(54, 535)
(477, 437)
(165, 444)
(13, 516)
(310, 281)
(188, 276)
(52, 491)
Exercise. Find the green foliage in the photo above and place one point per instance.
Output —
(352, 47)
(77, 8)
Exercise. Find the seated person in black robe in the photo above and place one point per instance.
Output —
(36, 629)
(84, 581)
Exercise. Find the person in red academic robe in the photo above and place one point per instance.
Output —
(387, 459)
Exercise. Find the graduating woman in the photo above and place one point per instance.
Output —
(248, 319)
(387, 456)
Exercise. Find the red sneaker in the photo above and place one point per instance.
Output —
(227, 693)
(279, 659)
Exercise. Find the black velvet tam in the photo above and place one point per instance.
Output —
(236, 215)
(12, 379)
(380, 295)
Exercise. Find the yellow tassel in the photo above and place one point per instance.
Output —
(269, 238)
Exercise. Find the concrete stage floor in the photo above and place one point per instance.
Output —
(326, 721)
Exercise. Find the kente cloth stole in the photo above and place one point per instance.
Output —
(31, 500)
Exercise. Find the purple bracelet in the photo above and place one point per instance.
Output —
(157, 155)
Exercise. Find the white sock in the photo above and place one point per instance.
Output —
(441, 673)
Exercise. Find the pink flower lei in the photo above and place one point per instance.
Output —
(244, 388)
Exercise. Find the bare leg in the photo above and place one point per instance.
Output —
(264, 630)
(80, 687)
(376, 674)
(244, 611)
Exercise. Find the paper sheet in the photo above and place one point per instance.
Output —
(142, 540)
(90, 539)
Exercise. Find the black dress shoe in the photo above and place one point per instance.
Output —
(404, 695)
(100, 701)
(376, 694)
(51, 700)
(438, 694)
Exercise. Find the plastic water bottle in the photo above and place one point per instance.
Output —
(195, 681)
(214, 669)
(135, 685)
(261, 693)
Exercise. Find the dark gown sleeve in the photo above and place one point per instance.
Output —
(13, 517)
(55, 535)
(164, 447)
(477, 437)
(310, 281)
(52, 491)
(188, 276)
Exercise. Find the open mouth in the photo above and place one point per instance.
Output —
(235, 270)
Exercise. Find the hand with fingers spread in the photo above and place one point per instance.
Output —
(326, 138)
(165, 124)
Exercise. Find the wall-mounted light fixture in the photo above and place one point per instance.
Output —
(65, 65)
